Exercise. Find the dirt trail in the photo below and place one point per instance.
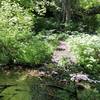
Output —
(63, 51)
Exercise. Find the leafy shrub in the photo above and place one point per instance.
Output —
(91, 22)
(46, 24)
(15, 17)
(87, 51)
(16, 40)
(87, 4)
(33, 52)
(15, 25)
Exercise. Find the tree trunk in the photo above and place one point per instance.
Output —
(66, 10)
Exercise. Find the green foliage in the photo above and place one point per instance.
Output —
(98, 28)
(46, 24)
(33, 52)
(15, 18)
(69, 93)
(73, 28)
(19, 19)
(89, 94)
(15, 25)
(11, 93)
(91, 24)
(87, 51)
(89, 3)
(38, 6)
(18, 86)
(42, 6)
(16, 40)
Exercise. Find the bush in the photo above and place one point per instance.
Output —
(16, 40)
(87, 51)
(33, 52)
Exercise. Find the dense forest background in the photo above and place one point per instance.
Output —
(51, 44)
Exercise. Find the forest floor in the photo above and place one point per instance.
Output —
(44, 79)
(63, 50)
